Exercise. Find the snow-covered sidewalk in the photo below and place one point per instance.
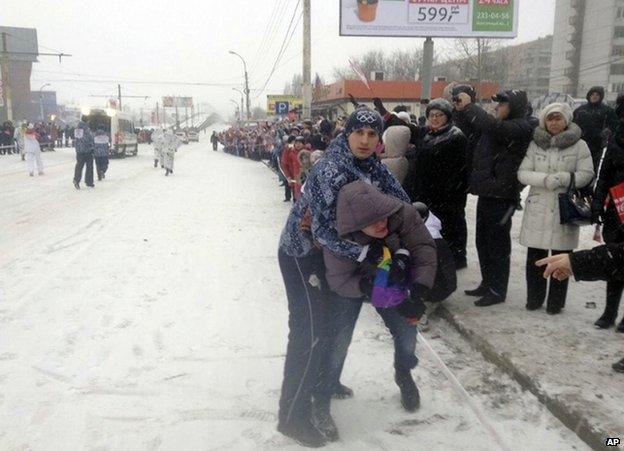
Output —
(149, 313)
(563, 359)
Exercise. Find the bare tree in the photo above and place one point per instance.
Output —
(258, 113)
(477, 57)
(399, 65)
(295, 86)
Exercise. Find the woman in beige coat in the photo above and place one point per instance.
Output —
(556, 152)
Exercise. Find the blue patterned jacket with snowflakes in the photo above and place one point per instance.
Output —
(337, 168)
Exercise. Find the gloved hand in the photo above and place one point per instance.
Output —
(375, 252)
(354, 102)
(366, 286)
(380, 106)
(414, 307)
(400, 268)
(564, 178)
(597, 212)
(552, 182)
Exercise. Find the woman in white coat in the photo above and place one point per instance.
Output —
(32, 151)
(556, 152)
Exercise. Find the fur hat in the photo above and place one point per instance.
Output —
(441, 105)
(364, 117)
(561, 108)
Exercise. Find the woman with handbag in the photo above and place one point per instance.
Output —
(609, 188)
(557, 161)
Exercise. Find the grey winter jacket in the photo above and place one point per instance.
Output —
(83, 138)
(360, 204)
(396, 143)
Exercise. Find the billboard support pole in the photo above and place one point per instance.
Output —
(426, 74)
(307, 61)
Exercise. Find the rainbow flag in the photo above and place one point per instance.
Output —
(384, 295)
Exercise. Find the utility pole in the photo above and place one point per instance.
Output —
(426, 74)
(157, 118)
(119, 96)
(6, 78)
(307, 61)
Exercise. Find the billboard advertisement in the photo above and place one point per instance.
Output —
(182, 102)
(429, 18)
(282, 104)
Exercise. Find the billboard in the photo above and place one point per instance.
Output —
(182, 102)
(282, 104)
(429, 18)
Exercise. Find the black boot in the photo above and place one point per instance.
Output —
(303, 432)
(489, 299)
(619, 366)
(76, 185)
(614, 294)
(155, 163)
(322, 419)
(605, 321)
(342, 392)
(480, 291)
(620, 327)
(410, 398)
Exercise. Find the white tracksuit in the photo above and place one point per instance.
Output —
(33, 153)
(157, 142)
(171, 143)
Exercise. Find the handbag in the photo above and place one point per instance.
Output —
(574, 209)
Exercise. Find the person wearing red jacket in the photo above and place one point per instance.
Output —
(291, 165)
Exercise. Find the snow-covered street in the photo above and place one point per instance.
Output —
(149, 313)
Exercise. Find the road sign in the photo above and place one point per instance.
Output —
(281, 108)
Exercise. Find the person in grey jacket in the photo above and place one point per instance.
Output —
(370, 218)
(556, 152)
(83, 143)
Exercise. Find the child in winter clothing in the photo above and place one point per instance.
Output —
(396, 143)
(367, 216)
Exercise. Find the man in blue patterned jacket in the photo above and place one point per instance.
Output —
(314, 331)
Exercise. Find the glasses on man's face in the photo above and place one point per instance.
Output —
(436, 115)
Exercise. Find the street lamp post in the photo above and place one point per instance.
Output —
(41, 101)
(246, 81)
(242, 94)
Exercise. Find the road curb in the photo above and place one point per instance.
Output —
(570, 416)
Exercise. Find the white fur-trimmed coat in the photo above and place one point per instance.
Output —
(547, 154)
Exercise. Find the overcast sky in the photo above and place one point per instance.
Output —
(188, 41)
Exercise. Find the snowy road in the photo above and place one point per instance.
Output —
(149, 313)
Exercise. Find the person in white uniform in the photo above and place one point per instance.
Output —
(171, 142)
(32, 151)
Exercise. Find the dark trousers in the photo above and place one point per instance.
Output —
(101, 165)
(493, 242)
(214, 146)
(82, 160)
(287, 191)
(537, 285)
(613, 233)
(343, 314)
(304, 279)
(454, 229)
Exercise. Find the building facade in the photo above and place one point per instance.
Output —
(588, 47)
(333, 100)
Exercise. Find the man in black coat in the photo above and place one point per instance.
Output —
(604, 212)
(596, 120)
(502, 145)
(601, 263)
